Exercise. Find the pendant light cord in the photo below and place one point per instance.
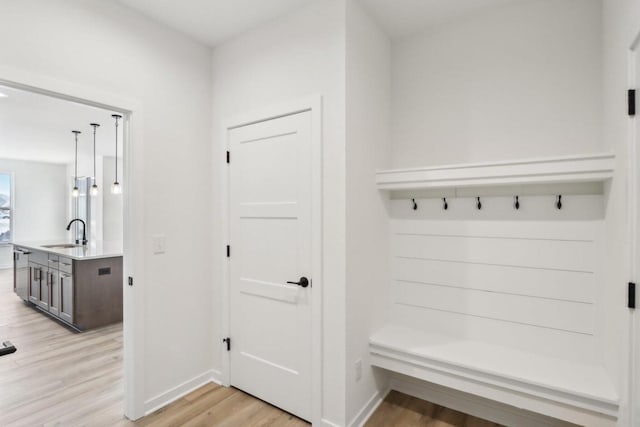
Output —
(117, 117)
(75, 176)
(116, 149)
(75, 182)
(95, 127)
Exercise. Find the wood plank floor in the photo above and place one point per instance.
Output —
(60, 377)
(401, 410)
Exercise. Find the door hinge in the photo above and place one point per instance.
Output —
(631, 100)
(130, 281)
(228, 251)
(631, 303)
(227, 340)
(228, 157)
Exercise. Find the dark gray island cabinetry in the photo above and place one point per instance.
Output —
(78, 285)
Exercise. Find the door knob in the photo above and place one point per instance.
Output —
(304, 282)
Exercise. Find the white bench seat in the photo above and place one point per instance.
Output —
(571, 391)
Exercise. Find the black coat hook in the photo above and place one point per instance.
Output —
(415, 205)
(516, 203)
(445, 205)
(478, 203)
(559, 202)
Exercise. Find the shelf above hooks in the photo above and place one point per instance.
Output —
(597, 167)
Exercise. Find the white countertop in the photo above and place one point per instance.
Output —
(93, 250)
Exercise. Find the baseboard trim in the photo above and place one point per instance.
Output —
(471, 404)
(326, 423)
(175, 393)
(369, 408)
(216, 376)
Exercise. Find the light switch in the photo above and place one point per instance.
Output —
(158, 243)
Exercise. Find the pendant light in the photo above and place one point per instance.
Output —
(94, 187)
(75, 192)
(115, 187)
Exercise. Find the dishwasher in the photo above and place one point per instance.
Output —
(21, 272)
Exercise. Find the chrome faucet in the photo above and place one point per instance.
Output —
(84, 231)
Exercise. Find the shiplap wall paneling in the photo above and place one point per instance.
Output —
(529, 285)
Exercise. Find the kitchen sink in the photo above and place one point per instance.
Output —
(62, 246)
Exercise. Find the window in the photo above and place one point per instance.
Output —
(5, 207)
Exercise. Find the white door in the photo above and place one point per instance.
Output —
(270, 237)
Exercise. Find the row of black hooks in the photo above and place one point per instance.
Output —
(516, 203)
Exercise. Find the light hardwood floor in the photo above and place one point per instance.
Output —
(401, 410)
(59, 377)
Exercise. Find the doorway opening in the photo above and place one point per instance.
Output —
(62, 258)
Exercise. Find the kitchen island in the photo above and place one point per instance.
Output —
(78, 285)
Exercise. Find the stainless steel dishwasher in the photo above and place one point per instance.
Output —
(21, 272)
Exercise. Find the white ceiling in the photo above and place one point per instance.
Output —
(38, 128)
(213, 21)
(401, 18)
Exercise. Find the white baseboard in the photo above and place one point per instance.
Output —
(326, 423)
(175, 393)
(471, 404)
(369, 408)
(216, 376)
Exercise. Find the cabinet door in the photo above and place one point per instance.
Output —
(54, 292)
(44, 288)
(35, 272)
(66, 297)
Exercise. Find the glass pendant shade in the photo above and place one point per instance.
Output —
(94, 190)
(75, 192)
(116, 188)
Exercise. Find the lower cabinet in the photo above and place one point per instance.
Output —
(35, 277)
(84, 293)
(51, 286)
(53, 277)
(66, 296)
(39, 286)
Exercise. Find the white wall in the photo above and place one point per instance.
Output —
(522, 80)
(107, 48)
(295, 56)
(39, 211)
(368, 77)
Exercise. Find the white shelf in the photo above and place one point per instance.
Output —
(570, 169)
(570, 391)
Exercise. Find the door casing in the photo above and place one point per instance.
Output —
(633, 228)
(313, 104)
(133, 196)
